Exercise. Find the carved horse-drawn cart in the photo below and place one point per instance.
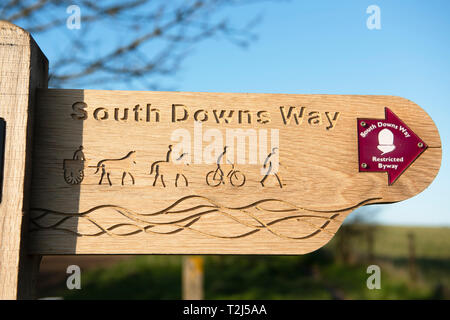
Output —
(73, 171)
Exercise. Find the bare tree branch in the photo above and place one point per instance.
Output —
(27, 11)
(142, 39)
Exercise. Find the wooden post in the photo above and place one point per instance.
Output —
(23, 68)
(412, 257)
(370, 244)
(193, 278)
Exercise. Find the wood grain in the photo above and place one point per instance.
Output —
(133, 211)
(23, 68)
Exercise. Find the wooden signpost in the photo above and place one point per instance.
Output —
(194, 173)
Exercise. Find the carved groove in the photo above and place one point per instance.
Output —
(178, 224)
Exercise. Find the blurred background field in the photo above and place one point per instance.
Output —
(414, 264)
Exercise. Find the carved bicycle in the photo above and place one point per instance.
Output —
(217, 177)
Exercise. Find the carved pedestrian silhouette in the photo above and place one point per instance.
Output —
(269, 166)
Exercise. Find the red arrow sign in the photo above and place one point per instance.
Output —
(387, 145)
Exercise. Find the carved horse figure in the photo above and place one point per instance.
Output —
(161, 166)
(124, 164)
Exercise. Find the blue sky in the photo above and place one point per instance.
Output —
(325, 47)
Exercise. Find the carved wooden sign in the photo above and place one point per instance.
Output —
(160, 172)
(110, 172)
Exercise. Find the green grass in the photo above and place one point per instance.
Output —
(318, 275)
(142, 277)
(431, 243)
(391, 248)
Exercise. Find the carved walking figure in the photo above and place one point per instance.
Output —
(161, 166)
(123, 164)
(268, 164)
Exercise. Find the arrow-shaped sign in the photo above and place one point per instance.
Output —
(387, 145)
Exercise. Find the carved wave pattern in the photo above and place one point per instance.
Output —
(197, 214)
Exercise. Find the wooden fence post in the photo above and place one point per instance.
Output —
(23, 68)
(192, 278)
(370, 243)
(412, 256)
